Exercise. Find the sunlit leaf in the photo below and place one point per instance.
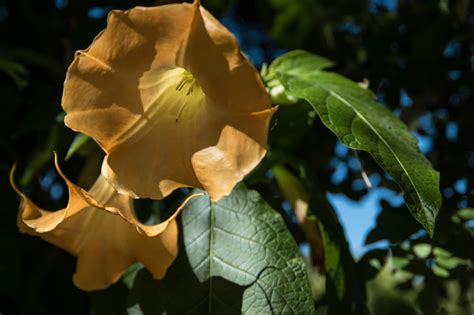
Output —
(297, 62)
(400, 262)
(422, 250)
(447, 260)
(440, 271)
(361, 123)
(466, 214)
(243, 240)
(77, 143)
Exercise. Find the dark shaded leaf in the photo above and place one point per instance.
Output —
(393, 224)
(181, 293)
(344, 289)
(372, 263)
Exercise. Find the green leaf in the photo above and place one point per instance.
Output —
(393, 224)
(16, 71)
(294, 63)
(344, 288)
(400, 262)
(271, 275)
(440, 271)
(77, 143)
(451, 262)
(129, 276)
(291, 187)
(361, 123)
(181, 293)
(466, 214)
(292, 126)
(447, 260)
(422, 250)
(370, 265)
(297, 62)
(242, 240)
(42, 156)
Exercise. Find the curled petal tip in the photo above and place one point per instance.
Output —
(58, 168)
(197, 3)
(12, 171)
(152, 231)
(12, 179)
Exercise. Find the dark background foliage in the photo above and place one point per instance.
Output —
(417, 55)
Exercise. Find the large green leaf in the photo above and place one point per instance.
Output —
(351, 112)
(242, 240)
(253, 268)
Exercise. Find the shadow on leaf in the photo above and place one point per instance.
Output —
(180, 292)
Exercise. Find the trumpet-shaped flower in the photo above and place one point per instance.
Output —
(104, 243)
(169, 97)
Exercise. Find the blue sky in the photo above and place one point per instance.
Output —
(359, 217)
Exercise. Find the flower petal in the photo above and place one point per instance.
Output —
(100, 95)
(203, 148)
(174, 105)
(213, 56)
(105, 244)
(221, 166)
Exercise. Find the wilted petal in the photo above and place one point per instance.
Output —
(104, 243)
(174, 105)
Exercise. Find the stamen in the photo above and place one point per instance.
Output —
(181, 84)
(186, 79)
(190, 90)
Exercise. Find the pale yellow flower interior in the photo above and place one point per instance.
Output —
(165, 93)
(173, 88)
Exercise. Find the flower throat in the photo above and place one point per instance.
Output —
(187, 80)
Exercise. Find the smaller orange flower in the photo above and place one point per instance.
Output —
(104, 243)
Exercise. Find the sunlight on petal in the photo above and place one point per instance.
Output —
(167, 94)
(105, 243)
